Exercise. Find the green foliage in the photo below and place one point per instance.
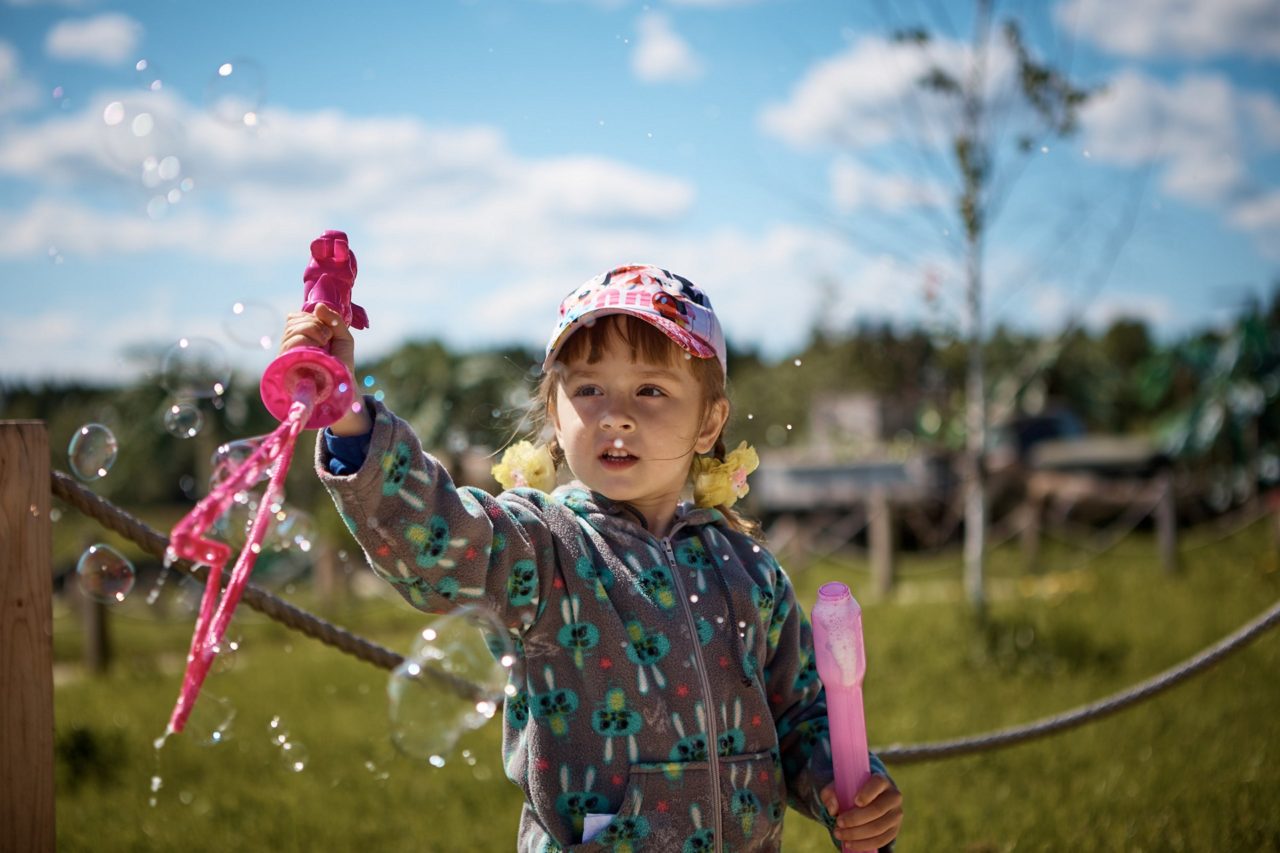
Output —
(1212, 394)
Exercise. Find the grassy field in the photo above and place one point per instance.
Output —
(1197, 768)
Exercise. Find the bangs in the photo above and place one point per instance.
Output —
(645, 342)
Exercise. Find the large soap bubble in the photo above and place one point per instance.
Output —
(455, 680)
(105, 574)
(194, 368)
(235, 93)
(92, 452)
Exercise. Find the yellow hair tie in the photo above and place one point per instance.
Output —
(717, 483)
(526, 465)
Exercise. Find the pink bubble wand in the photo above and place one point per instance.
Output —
(304, 388)
(842, 664)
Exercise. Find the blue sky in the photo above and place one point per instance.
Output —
(486, 157)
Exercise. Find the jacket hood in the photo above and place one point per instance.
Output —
(605, 513)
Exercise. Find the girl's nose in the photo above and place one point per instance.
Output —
(617, 420)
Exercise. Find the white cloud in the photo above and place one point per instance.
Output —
(107, 39)
(1259, 213)
(426, 187)
(854, 186)
(1189, 28)
(870, 94)
(1050, 307)
(1203, 131)
(16, 92)
(661, 55)
(458, 237)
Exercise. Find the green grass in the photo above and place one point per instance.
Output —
(1197, 768)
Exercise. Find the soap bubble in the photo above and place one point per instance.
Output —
(294, 755)
(232, 456)
(183, 419)
(211, 719)
(252, 324)
(235, 93)
(145, 142)
(195, 367)
(277, 732)
(232, 527)
(453, 681)
(105, 574)
(292, 528)
(92, 452)
(148, 75)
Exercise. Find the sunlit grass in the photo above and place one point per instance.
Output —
(1194, 769)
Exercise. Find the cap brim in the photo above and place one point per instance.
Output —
(680, 336)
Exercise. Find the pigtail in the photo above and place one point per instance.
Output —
(736, 520)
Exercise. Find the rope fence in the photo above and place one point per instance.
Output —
(155, 543)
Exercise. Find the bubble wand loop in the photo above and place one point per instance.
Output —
(303, 388)
(842, 664)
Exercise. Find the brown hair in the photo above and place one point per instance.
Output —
(649, 345)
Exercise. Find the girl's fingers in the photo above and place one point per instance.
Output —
(304, 329)
(887, 823)
(871, 789)
(887, 801)
(828, 798)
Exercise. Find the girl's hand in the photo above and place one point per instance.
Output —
(324, 328)
(876, 816)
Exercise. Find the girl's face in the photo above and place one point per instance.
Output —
(629, 429)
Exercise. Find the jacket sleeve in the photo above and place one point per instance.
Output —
(799, 706)
(438, 545)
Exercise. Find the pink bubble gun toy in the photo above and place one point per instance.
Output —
(842, 664)
(303, 388)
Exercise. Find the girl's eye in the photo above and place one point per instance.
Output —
(651, 391)
(586, 391)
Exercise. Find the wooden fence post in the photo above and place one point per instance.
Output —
(881, 534)
(26, 639)
(1033, 509)
(1167, 521)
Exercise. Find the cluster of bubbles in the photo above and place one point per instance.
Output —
(146, 142)
(293, 755)
(104, 573)
(289, 528)
(145, 135)
(191, 370)
(454, 681)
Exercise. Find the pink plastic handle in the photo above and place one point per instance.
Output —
(328, 280)
(304, 387)
(842, 664)
(330, 276)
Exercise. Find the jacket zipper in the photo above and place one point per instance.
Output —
(713, 738)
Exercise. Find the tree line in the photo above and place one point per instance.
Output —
(1210, 397)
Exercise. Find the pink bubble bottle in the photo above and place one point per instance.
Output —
(842, 664)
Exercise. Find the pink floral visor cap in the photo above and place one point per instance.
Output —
(663, 299)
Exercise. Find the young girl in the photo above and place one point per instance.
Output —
(666, 695)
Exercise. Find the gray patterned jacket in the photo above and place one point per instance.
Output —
(668, 683)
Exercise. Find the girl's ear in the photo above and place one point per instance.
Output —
(712, 424)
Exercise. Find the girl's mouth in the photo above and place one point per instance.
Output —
(617, 460)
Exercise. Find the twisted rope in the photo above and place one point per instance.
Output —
(300, 620)
(155, 543)
(1093, 711)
